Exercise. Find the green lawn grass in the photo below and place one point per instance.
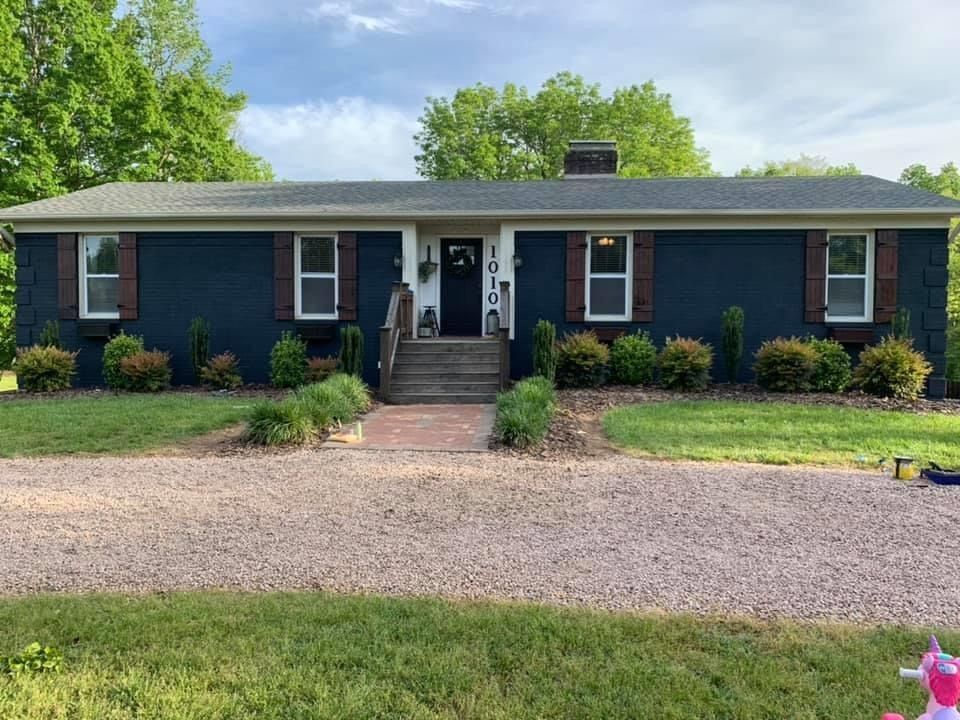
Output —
(222, 655)
(8, 381)
(781, 433)
(113, 424)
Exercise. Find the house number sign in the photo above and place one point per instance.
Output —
(493, 267)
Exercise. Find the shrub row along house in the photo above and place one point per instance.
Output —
(823, 256)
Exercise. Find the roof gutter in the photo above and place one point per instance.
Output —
(945, 213)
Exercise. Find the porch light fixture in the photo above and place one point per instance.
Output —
(517, 261)
(606, 241)
(398, 261)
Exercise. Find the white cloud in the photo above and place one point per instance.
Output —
(348, 139)
(390, 16)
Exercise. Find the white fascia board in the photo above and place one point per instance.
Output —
(695, 220)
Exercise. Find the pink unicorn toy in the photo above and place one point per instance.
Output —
(939, 675)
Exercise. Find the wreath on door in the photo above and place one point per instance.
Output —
(459, 262)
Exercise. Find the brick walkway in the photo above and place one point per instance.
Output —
(459, 428)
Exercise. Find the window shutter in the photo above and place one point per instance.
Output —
(576, 276)
(128, 276)
(283, 275)
(347, 276)
(643, 276)
(815, 305)
(885, 288)
(68, 290)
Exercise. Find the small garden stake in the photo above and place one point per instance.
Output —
(939, 675)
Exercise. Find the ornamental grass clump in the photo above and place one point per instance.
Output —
(633, 359)
(351, 350)
(279, 423)
(524, 413)
(222, 372)
(146, 371)
(685, 364)
(117, 348)
(353, 389)
(831, 372)
(44, 368)
(892, 369)
(582, 360)
(785, 365)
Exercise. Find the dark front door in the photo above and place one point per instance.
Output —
(461, 286)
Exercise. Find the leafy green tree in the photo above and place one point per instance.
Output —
(88, 97)
(803, 166)
(485, 134)
(946, 182)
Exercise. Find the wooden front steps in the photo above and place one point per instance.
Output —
(445, 370)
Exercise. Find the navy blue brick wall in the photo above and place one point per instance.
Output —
(227, 277)
(698, 274)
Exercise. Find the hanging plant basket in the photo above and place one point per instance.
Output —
(426, 269)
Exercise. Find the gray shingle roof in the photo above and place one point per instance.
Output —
(477, 198)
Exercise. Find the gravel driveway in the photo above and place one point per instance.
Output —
(613, 532)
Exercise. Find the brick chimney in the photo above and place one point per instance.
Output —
(590, 159)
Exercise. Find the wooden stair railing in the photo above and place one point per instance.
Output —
(504, 338)
(398, 325)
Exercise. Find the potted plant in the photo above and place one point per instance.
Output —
(425, 329)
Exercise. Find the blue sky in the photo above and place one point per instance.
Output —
(336, 86)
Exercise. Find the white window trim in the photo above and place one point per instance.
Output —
(628, 284)
(299, 275)
(868, 278)
(82, 275)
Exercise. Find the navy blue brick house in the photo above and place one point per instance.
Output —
(824, 256)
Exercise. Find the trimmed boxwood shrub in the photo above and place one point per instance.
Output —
(288, 361)
(524, 413)
(44, 368)
(685, 364)
(146, 371)
(831, 372)
(545, 350)
(222, 372)
(785, 365)
(582, 360)
(892, 369)
(633, 359)
(279, 423)
(117, 348)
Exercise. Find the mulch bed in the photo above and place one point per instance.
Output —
(576, 430)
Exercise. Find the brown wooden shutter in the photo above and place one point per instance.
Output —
(283, 275)
(68, 289)
(815, 305)
(643, 276)
(128, 276)
(885, 287)
(576, 276)
(347, 276)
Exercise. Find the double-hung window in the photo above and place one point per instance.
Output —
(608, 276)
(99, 276)
(316, 277)
(849, 277)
